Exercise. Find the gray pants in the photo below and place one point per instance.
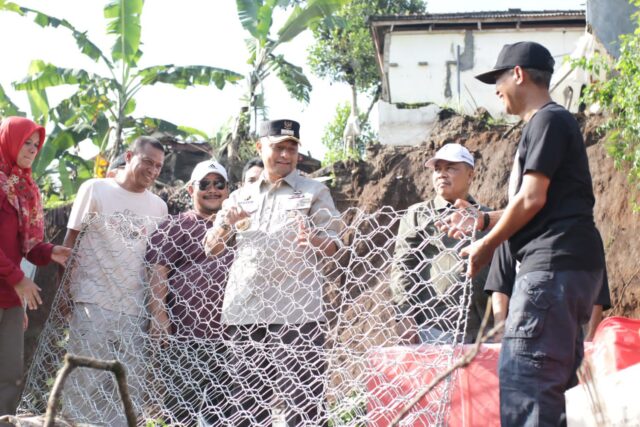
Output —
(11, 358)
(196, 381)
(91, 396)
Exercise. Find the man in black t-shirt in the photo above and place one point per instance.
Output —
(551, 232)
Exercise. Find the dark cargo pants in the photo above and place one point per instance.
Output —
(542, 346)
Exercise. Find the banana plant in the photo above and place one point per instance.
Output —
(256, 17)
(105, 103)
(7, 107)
(56, 157)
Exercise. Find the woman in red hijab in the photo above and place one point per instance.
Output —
(21, 235)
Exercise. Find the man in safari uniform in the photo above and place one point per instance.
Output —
(283, 225)
(427, 274)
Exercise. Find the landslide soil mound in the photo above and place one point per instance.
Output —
(396, 176)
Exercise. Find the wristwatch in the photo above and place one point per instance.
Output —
(486, 220)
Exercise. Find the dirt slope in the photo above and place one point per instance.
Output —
(396, 176)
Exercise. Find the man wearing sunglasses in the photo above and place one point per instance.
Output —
(187, 289)
(284, 227)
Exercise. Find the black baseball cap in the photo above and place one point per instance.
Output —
(280, 130)
(525, 54)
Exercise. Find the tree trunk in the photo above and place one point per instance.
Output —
(234, 147)
(239, 133)
(376, 98)
(354, 100)
(118, 143)
(352, 128)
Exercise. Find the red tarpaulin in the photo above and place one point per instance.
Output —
(400, 372)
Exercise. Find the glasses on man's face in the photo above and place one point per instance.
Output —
(218, 184)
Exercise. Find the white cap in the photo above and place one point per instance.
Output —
(203, 169)
(451, 153)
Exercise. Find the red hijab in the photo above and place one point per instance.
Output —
(17, 183)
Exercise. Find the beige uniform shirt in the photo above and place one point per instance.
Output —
(274, 280)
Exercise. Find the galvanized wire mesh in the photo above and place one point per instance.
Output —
(208, 366)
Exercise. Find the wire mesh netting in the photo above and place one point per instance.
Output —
(268, 332)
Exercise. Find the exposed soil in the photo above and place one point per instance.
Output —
(396, 176)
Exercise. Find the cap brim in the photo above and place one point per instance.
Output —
(432, 161)
(490, 77)
(276, 139)
(201, 176)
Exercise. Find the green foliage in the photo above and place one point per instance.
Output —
(619, 94)
(123, 21)
(349, 410)
(293, 78)
(256, 16)
(67, 128)
(44, 75)
(116, 92)
(221, 140)
(332, 138)
(7, 107)
(155, 423)
(44, 20)
(101, 109)
(344, 52)
(186, 76)
(316, 14)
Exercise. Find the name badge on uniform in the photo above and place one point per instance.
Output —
(249, 206)
(295, 202)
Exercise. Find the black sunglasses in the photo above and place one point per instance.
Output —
(204, 184)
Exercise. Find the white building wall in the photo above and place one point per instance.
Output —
(405, 126)
(417, 74)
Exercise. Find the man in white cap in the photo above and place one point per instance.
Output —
(187, 290)
(426, 271)
(284, 226)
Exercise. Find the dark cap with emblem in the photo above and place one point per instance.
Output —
(525, 54)
(280, 130)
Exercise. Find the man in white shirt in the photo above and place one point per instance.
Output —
(113, 218)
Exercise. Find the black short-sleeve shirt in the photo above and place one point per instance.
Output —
(502, 276)
(562, 236)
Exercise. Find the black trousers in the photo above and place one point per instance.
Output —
(197, 386)
(276, 369)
